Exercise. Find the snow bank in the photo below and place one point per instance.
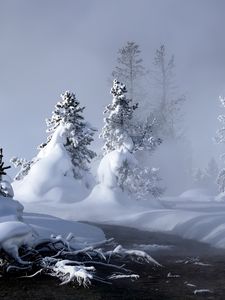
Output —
(13, 232)
(45, 225)
(17, 229)
(50, 177)
(197, 195)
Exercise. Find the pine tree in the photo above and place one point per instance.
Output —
(130, 69)
(121, 131)
(168, 110)
(121, 128)
(5, 187)
(2, 168)
(79, 135)
(69, 113)
(118, 122)
(220, 138)
(24, 166)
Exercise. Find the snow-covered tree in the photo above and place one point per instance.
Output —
(169, 106)
(5, 187)
(24, 166)
(221, 180)
(118, 123)
(220, 138)
(79, 133)
(206, 178)
(130, 69)
(122, 129)
(140, 182)
(122, 133)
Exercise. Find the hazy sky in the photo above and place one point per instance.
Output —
(48, 46)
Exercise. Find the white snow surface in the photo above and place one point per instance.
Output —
(17, 229)
(51, 178)
(194, 214)
(198, 220)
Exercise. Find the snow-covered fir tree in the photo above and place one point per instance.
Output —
(122, 133)
(122, 129)
(24, 166)
(5, 186)
(118, 123)
(220, 138)
(79, 134)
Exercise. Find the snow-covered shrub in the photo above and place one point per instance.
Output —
(78, 133)
(140, 182)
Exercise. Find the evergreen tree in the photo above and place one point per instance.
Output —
(168, 110)
(69, 113)
(130, 69)
(220, 138)
(79, 135)
(5, 187)
(121, 131)
(24, 166)
(118, 123)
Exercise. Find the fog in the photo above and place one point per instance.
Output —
(48, 47)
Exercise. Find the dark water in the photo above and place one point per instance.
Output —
(187, 266)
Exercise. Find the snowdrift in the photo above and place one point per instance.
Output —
(50, 177)
(17, 229)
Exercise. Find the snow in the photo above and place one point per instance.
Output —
(110, 165)
(50, 177)
(202, 291)
(17, 229)
(50, 188)
(46, 225)
(200, 195)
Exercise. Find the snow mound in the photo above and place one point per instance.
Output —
(13, 232)
(50, 177)
(110, 165)
(10, 209)
(45, 225)
(201, 195)
(220, 197)
(13, 235)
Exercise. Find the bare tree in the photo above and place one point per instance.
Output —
(130, 69)
(168, 109)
